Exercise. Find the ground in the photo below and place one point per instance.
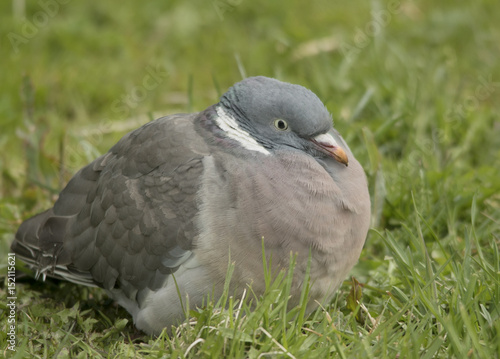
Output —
(414, 88)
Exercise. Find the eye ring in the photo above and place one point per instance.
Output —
(281, 124)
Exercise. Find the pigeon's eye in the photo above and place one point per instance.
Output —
(280, 124)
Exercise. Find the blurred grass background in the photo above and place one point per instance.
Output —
(413, 86)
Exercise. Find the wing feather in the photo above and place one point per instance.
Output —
(125, 222)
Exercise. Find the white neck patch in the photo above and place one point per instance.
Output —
(229, 125)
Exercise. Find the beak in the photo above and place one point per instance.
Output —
(328, 145)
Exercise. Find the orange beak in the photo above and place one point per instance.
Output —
(327, 144)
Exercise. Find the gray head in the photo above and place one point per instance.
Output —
(280, 114)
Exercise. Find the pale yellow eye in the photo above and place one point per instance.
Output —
(280, 124)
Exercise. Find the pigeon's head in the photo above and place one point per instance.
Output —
(277, 114)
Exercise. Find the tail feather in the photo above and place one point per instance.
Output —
(39, 243)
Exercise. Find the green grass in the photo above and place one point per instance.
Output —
(416, 98)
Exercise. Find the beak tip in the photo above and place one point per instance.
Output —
(327, 143)
(340, 155)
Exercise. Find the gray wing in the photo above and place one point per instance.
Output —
(126, 221)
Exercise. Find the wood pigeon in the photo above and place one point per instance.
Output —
(158, 218)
